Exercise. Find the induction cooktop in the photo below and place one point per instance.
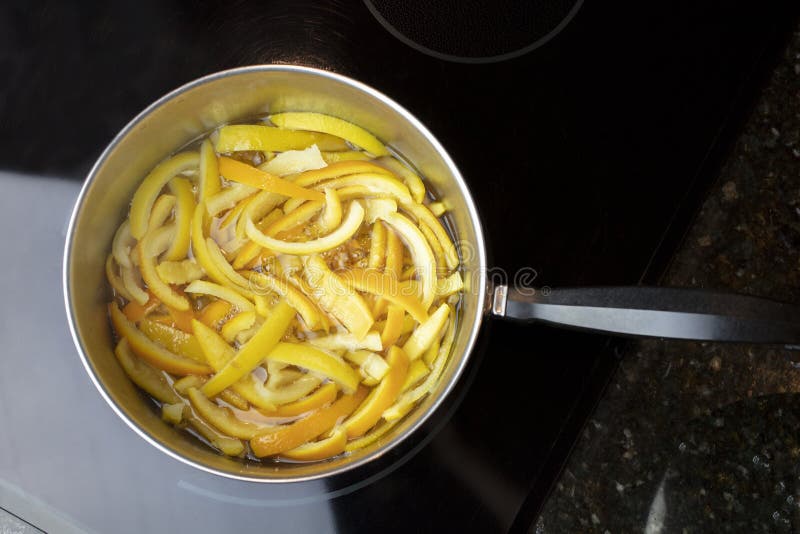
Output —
(587, 132)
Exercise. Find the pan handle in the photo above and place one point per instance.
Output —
(638, 311)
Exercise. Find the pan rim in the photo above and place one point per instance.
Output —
(480, 290)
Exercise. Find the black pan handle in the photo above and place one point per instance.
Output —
(654, 312)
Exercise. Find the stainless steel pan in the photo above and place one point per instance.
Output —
(200, 106)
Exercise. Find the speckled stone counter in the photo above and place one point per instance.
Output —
(701, 437)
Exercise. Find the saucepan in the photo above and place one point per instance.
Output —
(234, 95)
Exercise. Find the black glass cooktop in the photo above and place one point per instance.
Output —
(587, 131)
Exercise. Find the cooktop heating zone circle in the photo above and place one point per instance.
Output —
(474, 31)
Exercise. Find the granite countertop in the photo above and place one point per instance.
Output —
(705, 437)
